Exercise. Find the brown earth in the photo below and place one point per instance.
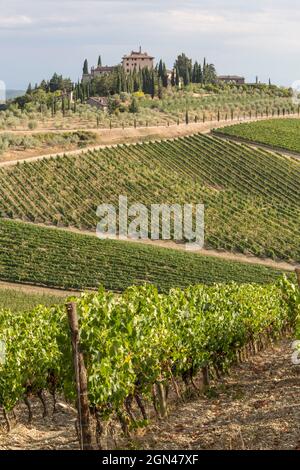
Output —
(256, 407)
(107, 137)
(30, 289)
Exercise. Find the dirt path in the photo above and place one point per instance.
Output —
(30, 289)
(256, 407)
(258, 145)
(110, 137)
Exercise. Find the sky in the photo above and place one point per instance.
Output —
(249, 38)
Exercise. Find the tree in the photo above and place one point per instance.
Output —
(152, 84)
(134, 108)
(197, 73)
(177, 76)
(209, 74)
(160, 89)
(186, 77)
(29, 89)
(184, 66)
(85, 67)
(173, 78)
(99, 61)
(162, 73)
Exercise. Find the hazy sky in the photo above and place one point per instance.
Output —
(39, 37)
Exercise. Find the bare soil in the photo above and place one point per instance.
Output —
(30, 289)
(256, 407)
(13, 155)
(107, 137)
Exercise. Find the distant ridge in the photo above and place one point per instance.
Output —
(11, 94)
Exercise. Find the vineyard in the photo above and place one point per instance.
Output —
(280, 134)
(139, 344)
(251, 197)
(60, 259)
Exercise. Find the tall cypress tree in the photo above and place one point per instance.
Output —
(186, 78)
(177, 76)
(152, 89)
(99, 61)
(85, 67)
(173, 78)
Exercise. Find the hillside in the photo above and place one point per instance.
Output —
(277, 133)
(60, 259)
(251, 197)
(11, 94)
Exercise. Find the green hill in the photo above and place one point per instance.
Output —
(251, 197)
(62, 259)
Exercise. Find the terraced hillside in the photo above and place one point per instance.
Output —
(57, 258)
(278, 133)
(252, 197)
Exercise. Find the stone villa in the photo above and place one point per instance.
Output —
(135, 60)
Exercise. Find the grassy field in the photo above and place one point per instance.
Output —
(61, 259)
(279, 133)
(18, 301)
(251, 197)
(12, 146)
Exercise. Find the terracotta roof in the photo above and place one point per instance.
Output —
(230, 77)
(99, 99)
(105, 68)
(138, 55)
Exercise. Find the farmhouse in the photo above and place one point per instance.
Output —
(100, 102)
(232, 79)
(98, 72)
(137, 60)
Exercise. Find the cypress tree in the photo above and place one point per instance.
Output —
(85, 67)
(195, 73)
(165, 80)
(186, 78)
(160, 89)
(134, 108)
(173, 78)
(177, 77)
(152, 84)
(99, 61)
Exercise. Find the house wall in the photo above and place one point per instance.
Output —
(130, 63)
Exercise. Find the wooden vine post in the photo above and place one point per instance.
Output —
(84, 427)
(297, 270)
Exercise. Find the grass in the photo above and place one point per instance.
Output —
(66, 260)
(18, 301)
(279, 133)
(10, 141)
